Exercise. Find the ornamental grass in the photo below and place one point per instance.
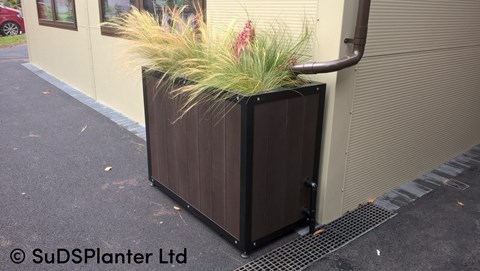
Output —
(217, 65)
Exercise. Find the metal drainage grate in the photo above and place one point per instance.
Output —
(456, 184)
(303, 251)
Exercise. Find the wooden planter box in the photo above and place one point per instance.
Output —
(242, 174)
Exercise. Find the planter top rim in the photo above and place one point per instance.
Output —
(268, 95)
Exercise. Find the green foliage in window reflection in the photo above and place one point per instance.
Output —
(47, 13)
(65, 11)
(112, 9)
(180, 3)
(16, 4)
(65, 17)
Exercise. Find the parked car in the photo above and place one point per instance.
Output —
(11, 21)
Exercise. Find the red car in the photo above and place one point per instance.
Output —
(11, 21)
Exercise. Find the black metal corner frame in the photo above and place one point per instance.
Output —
(248, 103)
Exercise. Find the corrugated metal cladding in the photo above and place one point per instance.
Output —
(417, 94)
(263, 13)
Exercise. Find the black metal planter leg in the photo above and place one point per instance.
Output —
(312, 210)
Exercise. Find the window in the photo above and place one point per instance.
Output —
(112, 8)
(156, 6)
(57, 13)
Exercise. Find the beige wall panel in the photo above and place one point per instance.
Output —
(398, 26)
(221, 13)
(411, 113)
(416, 102)
(290, 13)
(63, 53)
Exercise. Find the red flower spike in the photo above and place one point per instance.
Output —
(243, 39)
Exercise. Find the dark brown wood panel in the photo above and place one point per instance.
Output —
(172, 158)
(260, 224)
(189, 155)
(191, 123)
(180, 148)
(295, 187)
(232, 169)
(218, 165)
(277, 165)
(205, 163)
(159, 118)
(284, 146)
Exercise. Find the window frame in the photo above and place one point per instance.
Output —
(54, 22)
(110, 31)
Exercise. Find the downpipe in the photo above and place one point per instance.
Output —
(359, 41)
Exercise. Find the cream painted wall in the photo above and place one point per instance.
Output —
(117, 85)
(85, 59)
(63, 53)
(337, 22)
